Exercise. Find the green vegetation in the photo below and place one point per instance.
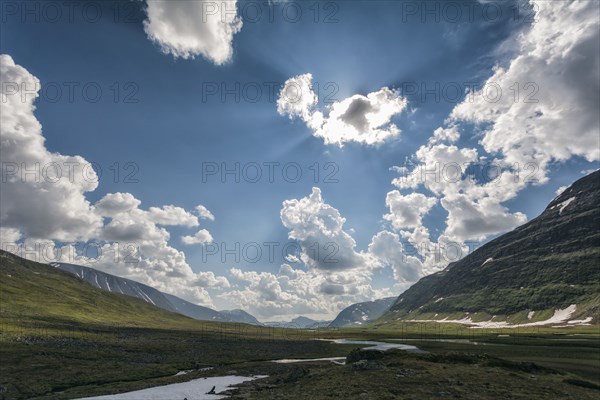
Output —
(401, 375)
(549, 263)
(61, 338)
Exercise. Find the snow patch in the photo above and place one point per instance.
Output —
(564, 204)
(585, 321)
(299, 360)
(487, 261)
(192, 390)
(558, 317)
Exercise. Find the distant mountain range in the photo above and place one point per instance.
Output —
(300, 322)
(545, 272)
(362, 313)
(169, 302)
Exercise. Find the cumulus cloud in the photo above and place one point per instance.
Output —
(43, 193)
(200, 237)
(171, 215)
(555, 116)
(476, 219)
(43, 203)
(328, 278)
(406, 211)
(187, 29)
(292, 292)
(204, 213)
(115, 203)
(319, 229)
(386, 246)
(358, 118)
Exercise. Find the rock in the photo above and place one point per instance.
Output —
(367, 365)
(295, 374)
(359, 354)
(406, 372)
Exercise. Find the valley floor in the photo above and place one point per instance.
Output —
(55, 365)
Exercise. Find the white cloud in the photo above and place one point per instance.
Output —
(477, 219)
(450, 134)
(297, 97)
(115, 203)
(407, 211)
(37, 209)
(43, 193)
(171, 215)
(554, 118)
(358, 118)
(204, 213)
(187, 29)
(319, 229)
(556, 114)
(9, 236)
(560, 190)
(200, 237)
(292, 292)
(387, 247)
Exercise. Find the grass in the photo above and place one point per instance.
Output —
(411, 376)
(60, 338)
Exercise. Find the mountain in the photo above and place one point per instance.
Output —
(307, 323)
(36, 292)
(115, 284)
(543, 272)
(192, 310)
(300, 322)
(239, 316)
(361, 313)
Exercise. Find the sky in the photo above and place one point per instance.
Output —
(293, 157)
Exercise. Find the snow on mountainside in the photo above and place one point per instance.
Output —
(544, 272)
(362, 313)
(115, 284)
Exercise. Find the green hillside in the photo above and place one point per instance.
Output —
(34, 292)
(547, 264)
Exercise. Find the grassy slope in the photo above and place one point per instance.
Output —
(38, 292)
(62, 338)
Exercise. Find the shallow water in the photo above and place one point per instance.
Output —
(383, 346)
(368, 345)
(192, 390)
(336, 360)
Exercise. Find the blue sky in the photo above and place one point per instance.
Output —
(172, 121)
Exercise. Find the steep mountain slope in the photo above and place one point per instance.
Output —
(362, 313)
(39, 292)
(115, 284)
(112, 283)
(547, 268)
(193, 310)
